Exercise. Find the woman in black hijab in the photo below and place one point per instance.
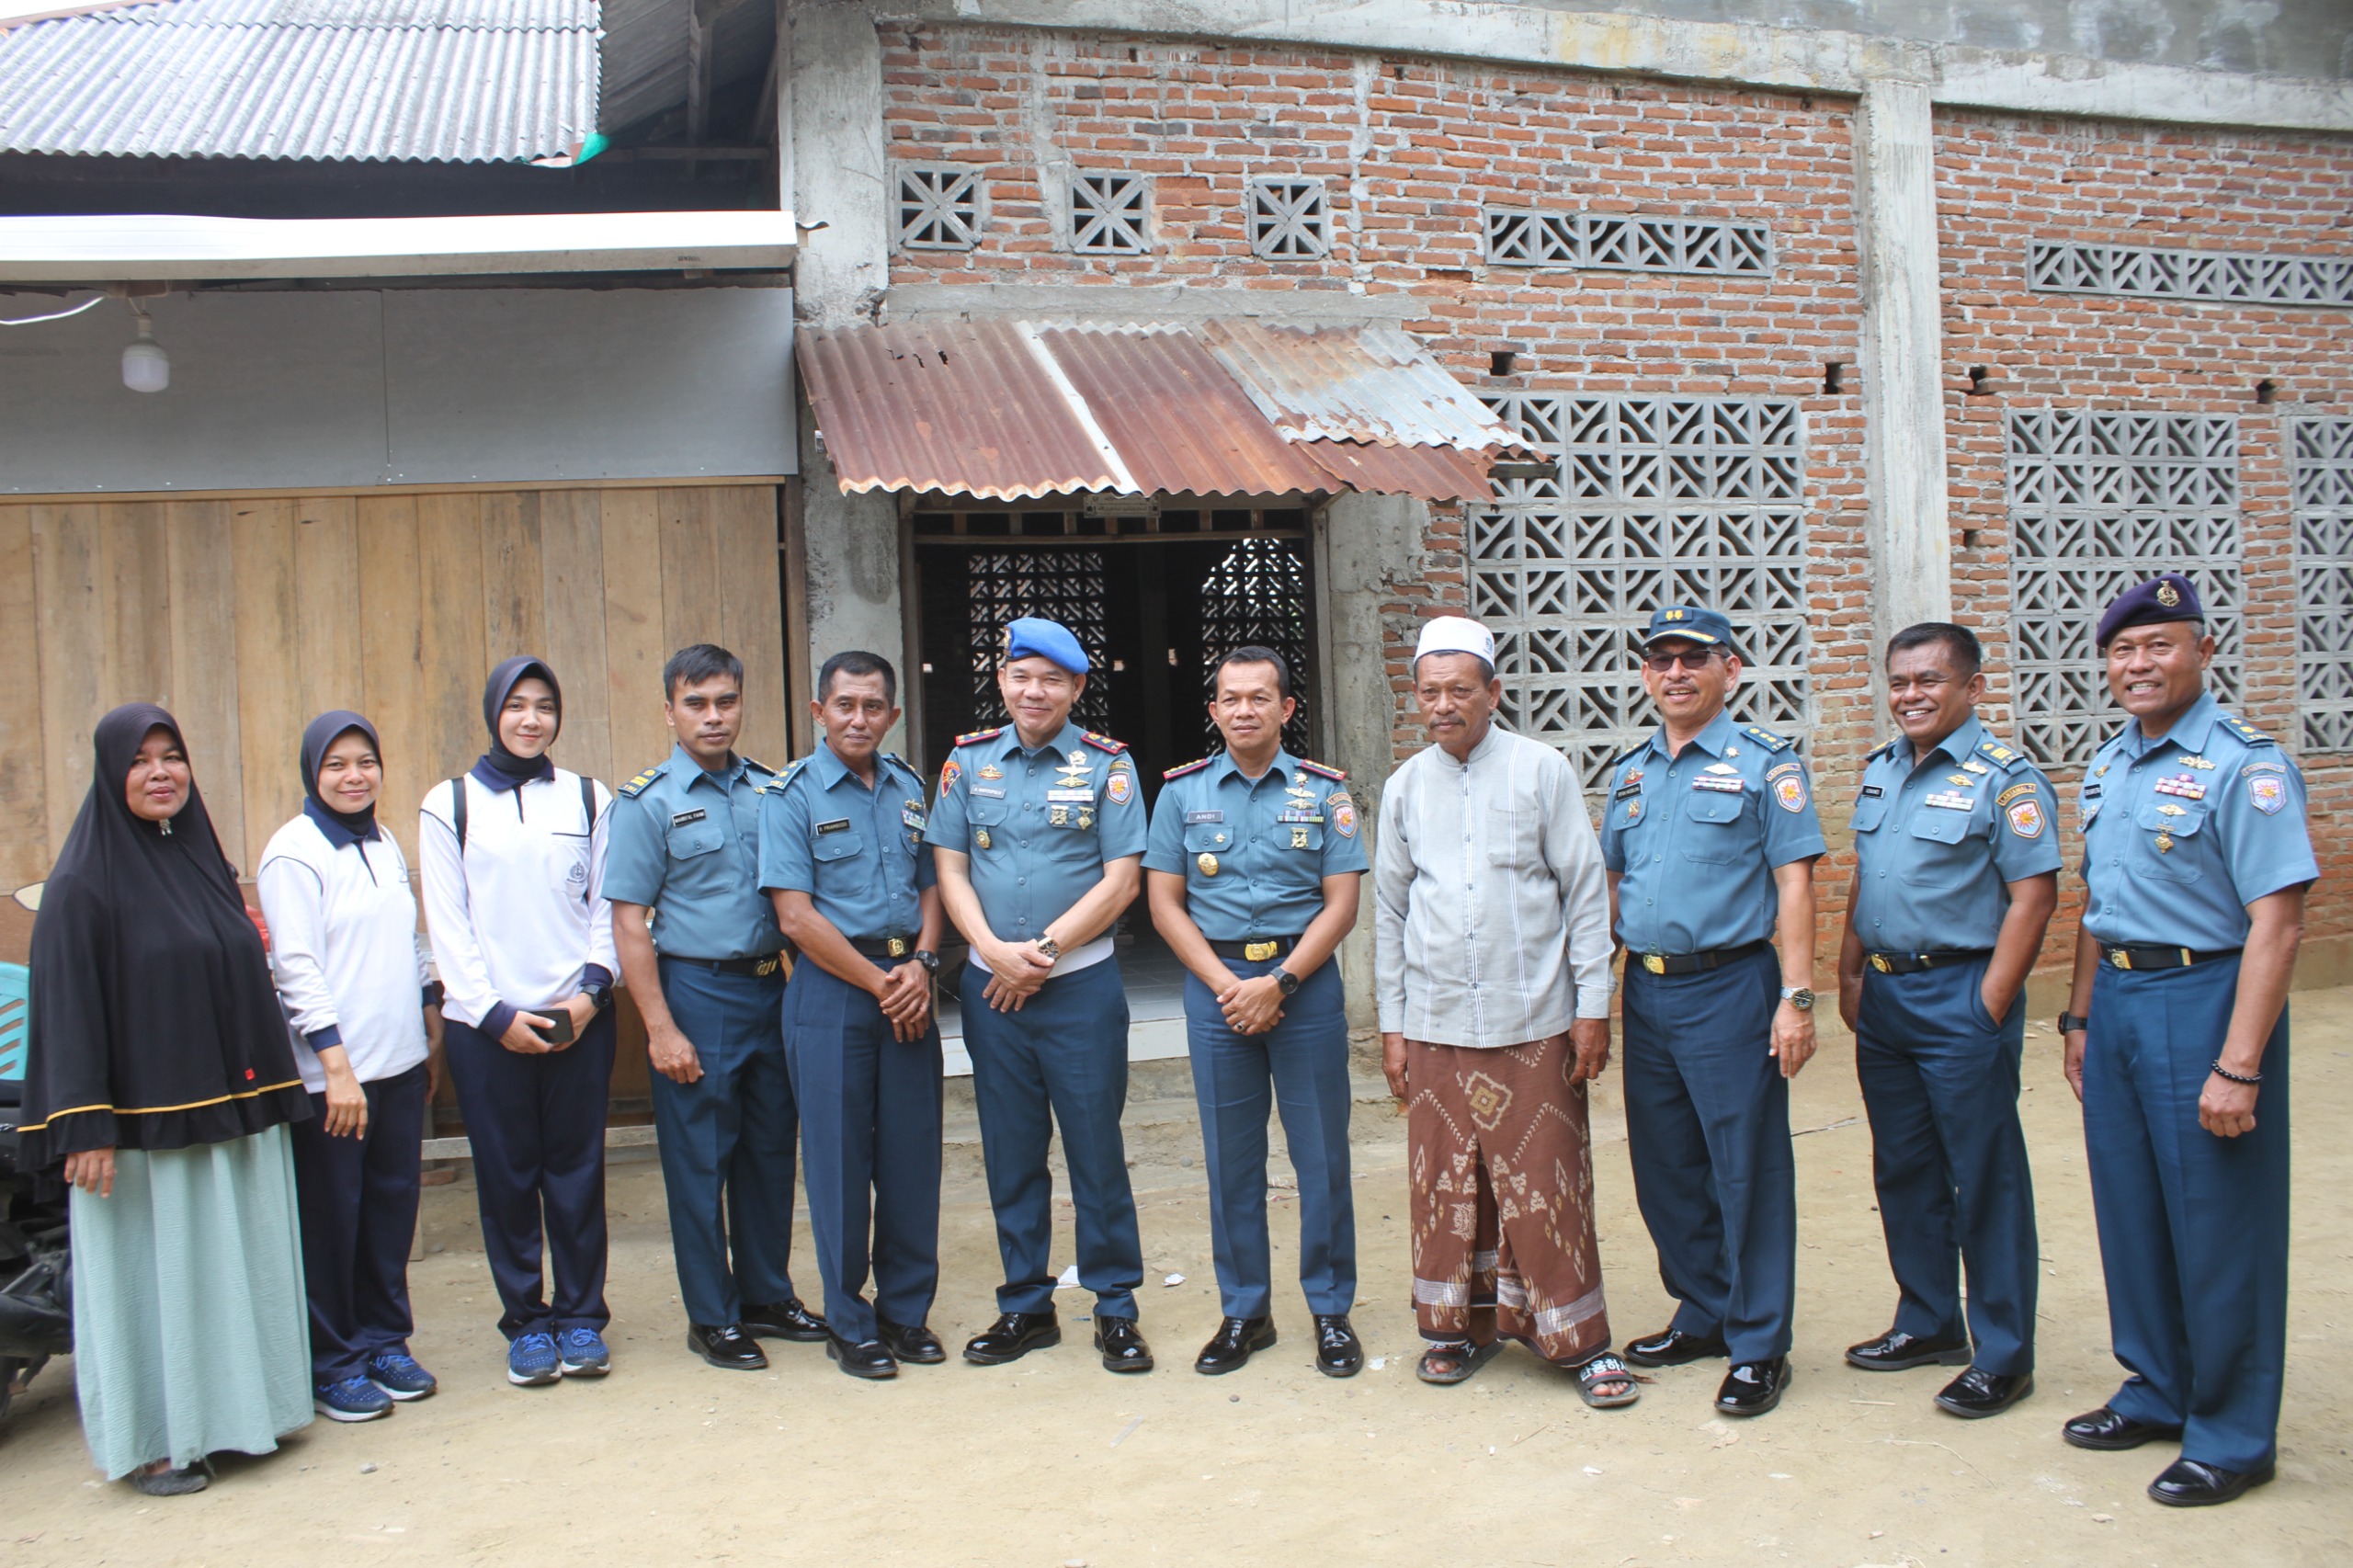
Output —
(159, 1071)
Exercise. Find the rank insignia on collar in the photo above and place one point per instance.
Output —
(1732, 751)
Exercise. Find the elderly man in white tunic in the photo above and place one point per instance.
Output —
(1491, 933)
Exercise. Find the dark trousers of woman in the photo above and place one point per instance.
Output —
(358, 1204)
(537, 1124)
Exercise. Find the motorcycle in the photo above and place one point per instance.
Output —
(36, 1262)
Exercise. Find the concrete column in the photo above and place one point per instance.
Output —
(1373, 545)
(1904, 440)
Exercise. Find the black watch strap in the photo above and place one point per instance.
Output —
(2070, 1022)
(1286, 982)
(929, 960)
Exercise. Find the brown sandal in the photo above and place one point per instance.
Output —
(1453, 1360)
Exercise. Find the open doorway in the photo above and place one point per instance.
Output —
(1157, 594)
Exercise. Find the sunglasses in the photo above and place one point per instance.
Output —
(1691, 659)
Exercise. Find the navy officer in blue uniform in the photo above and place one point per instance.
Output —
(1710, 838)
(842, 854)
(708, 978)
(1253, 867)
(2196, 862)
(1040, 835)
(1955, 874)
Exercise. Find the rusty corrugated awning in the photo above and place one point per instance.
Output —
(1013, 410)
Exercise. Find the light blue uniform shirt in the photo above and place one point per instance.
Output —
(1938, 843)
(686, 843)
(1268, 843)
(1695, 838)
(1040, 826)
(858, 852)
(2180, 834)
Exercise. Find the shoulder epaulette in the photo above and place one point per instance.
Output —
(2246, 731)
(756, 765)
(1768, 739)
(902, 764)
(1105, 743)
(1183, 769)
(636, 787)
(977, 736)
(778, 781)
(1995, 752)
(1318, 768)
(1887, 750)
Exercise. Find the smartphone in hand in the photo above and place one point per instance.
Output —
(559, 1029)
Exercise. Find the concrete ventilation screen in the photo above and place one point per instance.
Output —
(1616, 242)
(1108, 215)
(2098, 503)
(2062, 266)
(1651, 501)
(1257, 596)
(2320, 468)
(938, 209)
(1059, 585)
(1289, 221)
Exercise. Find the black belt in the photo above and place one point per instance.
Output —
(884, 946)
(2160, 957)
(1692, 964)
(1912, 963)
(757, 969)
(1256, 949)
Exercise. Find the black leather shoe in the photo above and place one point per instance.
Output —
(1752, 1388)
(786, 1319)
(1228, 1348)
(1012, 1336)
(1122, 1345)
(861, 1359)
(1672, 1348)
(1978, 1392)
(1896, 1351)
(2191, 1484)
(918, 1344)
(2105, 1429)
(729, 1347)
(1338, 1352)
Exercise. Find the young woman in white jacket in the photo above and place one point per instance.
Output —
(335, 890)
(514, 858)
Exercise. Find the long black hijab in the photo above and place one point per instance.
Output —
(153, 1024)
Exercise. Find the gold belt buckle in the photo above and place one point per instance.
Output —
(1878, 962)
(896, 946)
(2119, 958)
(2187, 958)
(1654, 962)
(769, 966)
(1258, 952)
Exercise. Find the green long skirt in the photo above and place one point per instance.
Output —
(191, 1335)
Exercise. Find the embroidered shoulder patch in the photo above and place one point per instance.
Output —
(2267, 792)
(1768, 739)
(1788, 792)
(636, 786)
(1120, 787)
(2025, 819)
(1183, 769)
(1105, 743)
(948, 775)
(2013, 792)
(1318, 768)
(977, 736)
(1782, 769)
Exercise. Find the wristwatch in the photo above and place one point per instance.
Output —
(2070, 1022)
(600, 995)
(1049, 947)
(1286, 982)
(1798, 996)
(929, 960)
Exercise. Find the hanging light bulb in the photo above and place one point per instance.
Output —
(145, 366)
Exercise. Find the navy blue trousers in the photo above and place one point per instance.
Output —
(1300, 1068)
(2193, 1228)
(727, 1143)
(870, 1134)
(1708, 1131)
(1940, 1084)
(1061, 1061)
(537, 1125)
(357, 1199)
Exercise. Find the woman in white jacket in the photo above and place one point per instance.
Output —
(342, 927)
(514, 858)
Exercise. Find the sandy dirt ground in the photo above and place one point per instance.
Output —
(1053, 1462)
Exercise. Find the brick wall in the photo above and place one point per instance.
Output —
(2002, 181)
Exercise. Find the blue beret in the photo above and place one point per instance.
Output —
(2169, 597)
(1691, 622)
(1033, 638)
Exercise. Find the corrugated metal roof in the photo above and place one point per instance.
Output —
(437, 81)
(1359, 383)
(1008, 410)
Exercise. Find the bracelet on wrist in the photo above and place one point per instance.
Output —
(2248, 1078)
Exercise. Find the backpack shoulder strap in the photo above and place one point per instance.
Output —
(458, 812)
(588, 802)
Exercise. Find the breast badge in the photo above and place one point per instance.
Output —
(1208, 863)
(981, 838)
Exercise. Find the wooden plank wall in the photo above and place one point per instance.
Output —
(247, 617)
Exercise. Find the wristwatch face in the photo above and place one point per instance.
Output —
(1286, 982)
(929, 960)
(1049, 947)
(1801, 999)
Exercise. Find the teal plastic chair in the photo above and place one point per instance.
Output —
(14, 979)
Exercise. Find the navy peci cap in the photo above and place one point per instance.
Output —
(1031, 638)
(1691, 622)
(2169, 597)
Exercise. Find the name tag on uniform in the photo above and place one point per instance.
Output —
(994, 794)
(1712, 781)
(1192, 817)
(680, 819)
(1953, 802)
(1871, 791)
(1626, 789)
(839, 824)
(1070, 795)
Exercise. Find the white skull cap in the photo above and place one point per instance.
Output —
(1456, 635)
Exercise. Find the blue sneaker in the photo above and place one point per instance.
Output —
(531, 1360)
(352, 1399)
(585, 1355)
(397, 1373)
